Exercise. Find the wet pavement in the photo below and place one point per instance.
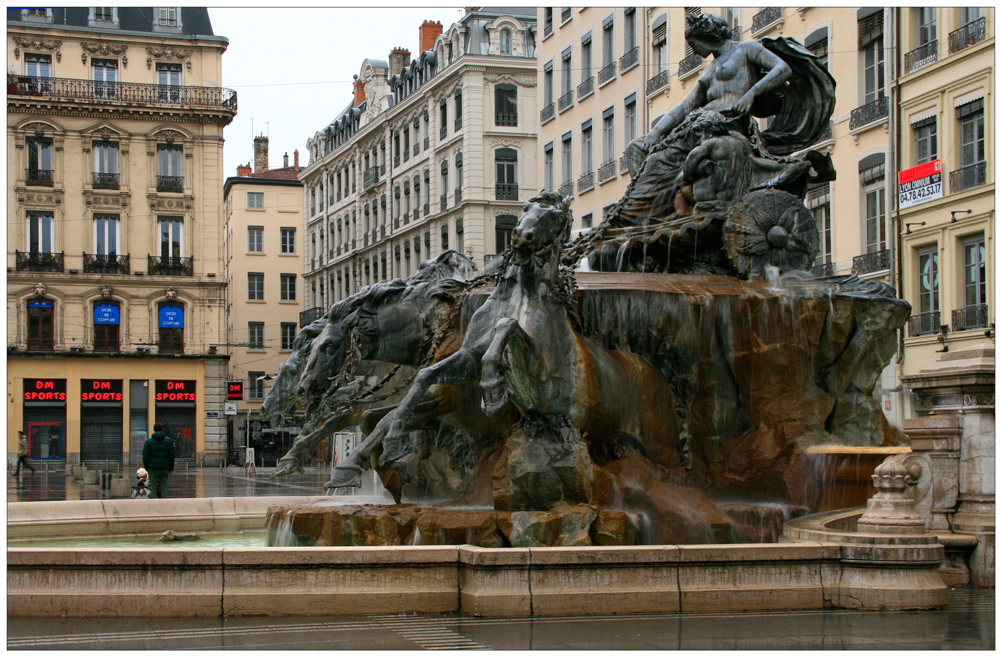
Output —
(967, 623)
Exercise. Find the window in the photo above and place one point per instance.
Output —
(255, 333)
(818, 201)
(660, 53)
(585, 58)
(168, 80)
(41, 321)
(506, 223)
(875, 219)
(926, 22)
(566, 14)
(416, 139)
(287, 335)
(255, 200)
(255, 239)
(630, 125)
(406, 144)
(37, 66)
(107, 233)
(458, 110)
(255, 286)
(444, 236)
(105, 164)
(505, 41)
(732, 16)
(587, 220)
(567, 73)
(104, 72)
(548, 89)
(287, 240)
(37, 14)
(821, 48)
(629, 36)
(444, 119)
(104, 14)
(506, 174)
(40, 232)
(567, 159)
(927, 283)
(870, 39)
(547, 167)
(288, 287)
(171, 231)
(459, 174)
(547, 25)
(255, 389)
(169, 177)
(106, 322)
(39, 153)
(608, 136)
(171, 328)
(587, 148)
(974, 270)
(973, 139)
(926, 135)
(609, 44)
(167, 16)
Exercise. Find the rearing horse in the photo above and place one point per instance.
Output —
(520, 346)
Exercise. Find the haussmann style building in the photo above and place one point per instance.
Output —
(115, 277)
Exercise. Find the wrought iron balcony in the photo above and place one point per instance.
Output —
(824, 270)
(629, 59)
(606, 74)
(132, 93)
(395, 161)
(364, 242)
(970, 317)
(354, 243)
(307, 317)
(585, 88)
(370, 177)
(506, 191)
(924, 324)
(689, 64)
(382, 230)
(427, 208)
(968, 35)
(406, 220)
(920, 57)
(97, 263)
(171, 184)
(406, 153)
(416, 212)
(444, 202)
(657, 82)
(548, 112)
(506, 118)
(566, 100)
(35, 261)
(968, 177)
(41, 177)
(566, 189)
(585, 182)
(623, 164)
(606, 171)
(870, 112)
(764, 18)
(427, 144)
(867, 263)
(458, 123)
(458, 195)
(159, 266)
(444, 132)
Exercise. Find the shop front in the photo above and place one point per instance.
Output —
(176, 406)
(45, 418)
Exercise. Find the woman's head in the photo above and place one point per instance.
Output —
(707, 29)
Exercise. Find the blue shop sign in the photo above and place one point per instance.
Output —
(106, 313)
(171, 317)
(39, 304)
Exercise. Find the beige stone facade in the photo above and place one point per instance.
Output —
(115, 283)
(263, 250)
(433, 153)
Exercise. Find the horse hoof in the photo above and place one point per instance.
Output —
(345, 476)
(494, 398)
(394, 449)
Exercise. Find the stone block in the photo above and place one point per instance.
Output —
(495, 582)
(121, 487)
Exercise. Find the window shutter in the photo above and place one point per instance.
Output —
(870, 28)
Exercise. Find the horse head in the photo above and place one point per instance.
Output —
(449, 264)
(324, 360)
(545, 226)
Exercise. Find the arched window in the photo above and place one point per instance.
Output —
(505, 41)
(170, 321)
(107, 319)
(506, 174)
(505, 104)
(41, 323)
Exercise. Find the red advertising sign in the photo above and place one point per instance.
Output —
(93, 391)
(176, 391)
(45, 390)
(234, 391)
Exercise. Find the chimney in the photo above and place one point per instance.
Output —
(296, 158)
(399, 59)
(243, 169)
(359, 91)
(428, 32)
(260, 153)
(286, 159)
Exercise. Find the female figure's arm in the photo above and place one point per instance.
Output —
(777, 72)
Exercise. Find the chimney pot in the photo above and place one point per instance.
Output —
(260, 153)
(296, 158)
(243, 169)
(429, 31)
(286, 159)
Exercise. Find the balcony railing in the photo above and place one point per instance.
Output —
(764, 18)
(629, 59)
(657, 82)
(506, 191)
(623, 164)
(867, 263)
(968, 177)
(444, 202)
(870, 112)
(171, 184)
(606, 74)
(566, 100)
(968, 35)
(124, 92)
(34, 261)
(924, 324)
(922, 56)
(395, 161)
(566, 189)
(458, 195)
(458, 123)
(96, 263)
(506, 118)
(159, 266)
(585, 182)
(548, 112)
(370, 177)
(970, 317)
(688, 64)
(406, 220)
(427, 208)
(585, 88)
(444, 132)
(606, 171)
(416, 212)
(42, 177)
(106, 180)
(307, 317)
(824, 270)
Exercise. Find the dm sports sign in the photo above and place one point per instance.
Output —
(919, 184)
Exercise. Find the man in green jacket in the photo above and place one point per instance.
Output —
(158, 459)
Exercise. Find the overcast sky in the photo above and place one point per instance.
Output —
(293, 69)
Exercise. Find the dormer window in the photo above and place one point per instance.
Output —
(167, 16)
(37, 15)
(103, 17)
(505, 41)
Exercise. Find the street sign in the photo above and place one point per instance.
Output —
(211, 415)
